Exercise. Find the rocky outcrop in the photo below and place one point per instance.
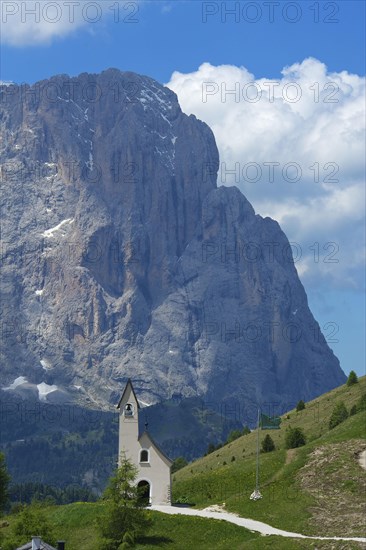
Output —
(122, 258)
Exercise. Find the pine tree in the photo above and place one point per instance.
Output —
(300, 406)
(295, 437)
(352, 378)
(4, 484)
(339, 414)
(123, 508)
(268, 444)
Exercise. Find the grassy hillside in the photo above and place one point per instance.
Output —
(74, 523)
(316, 489)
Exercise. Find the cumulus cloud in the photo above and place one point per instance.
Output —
(33, 23)
(295, 147)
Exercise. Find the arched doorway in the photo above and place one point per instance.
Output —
(143, 487)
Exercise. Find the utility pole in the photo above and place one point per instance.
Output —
(256, 495)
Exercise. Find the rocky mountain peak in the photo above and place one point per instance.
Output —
(123, 259)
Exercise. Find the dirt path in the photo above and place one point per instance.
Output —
(216, 512)
(362, 459)
(290, 455)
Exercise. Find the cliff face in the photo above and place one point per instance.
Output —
(121, 257)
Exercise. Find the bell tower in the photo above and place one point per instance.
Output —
(152, 465)
(128, 423)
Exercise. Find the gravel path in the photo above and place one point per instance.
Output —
(216, 512)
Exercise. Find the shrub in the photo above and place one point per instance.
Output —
(234, 434)
(210, 449)
(129, 538)
(4, 484)
(182, 500)
(31, 519)
(295, 437)
(178, 463)
(353, 410)
(361, 403)
(352, 378)
(339, 414)
(246, 430)
(268, 444)
(300, 406)
(232, 458)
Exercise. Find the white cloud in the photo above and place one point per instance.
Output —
(311, 123)
(34, 23)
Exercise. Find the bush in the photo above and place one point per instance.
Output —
(353, 410)
(268, 444)
(210, 449)
(178, 463)
(246, 430)
(352, 378)
(234, 434)
(30, 520)
(359, 406)
(4, 484)
(300, 406)
(182, 500)
(339, 414)
(232, 458)
(295, 437)
(128, 540)
(361, 403)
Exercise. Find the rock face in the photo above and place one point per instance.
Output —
(121, 257)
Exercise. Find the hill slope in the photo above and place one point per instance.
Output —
(75, 523)
(316, 489)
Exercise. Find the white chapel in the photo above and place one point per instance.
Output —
(152, 464)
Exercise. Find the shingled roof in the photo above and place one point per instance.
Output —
(129, 384)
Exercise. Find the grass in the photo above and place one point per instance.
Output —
(288, 503)
(75, 523)
(317, 489)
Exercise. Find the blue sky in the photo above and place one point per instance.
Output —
(169, 36)
(192, 40)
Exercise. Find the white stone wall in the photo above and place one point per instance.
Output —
(157, 470)
(128, 428)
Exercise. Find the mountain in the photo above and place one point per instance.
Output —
(68, 445)
(122, 258)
